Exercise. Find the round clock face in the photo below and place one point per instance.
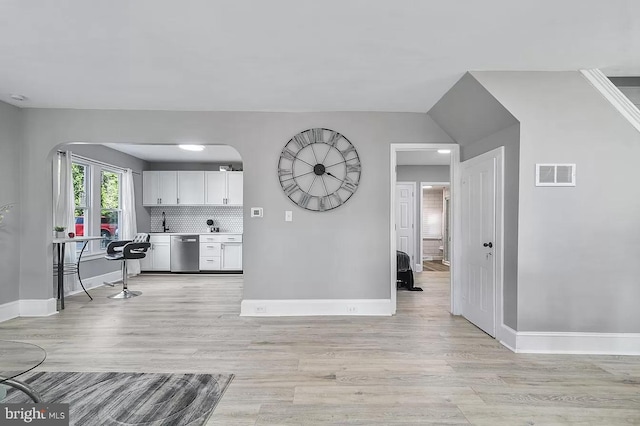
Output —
(319, 169)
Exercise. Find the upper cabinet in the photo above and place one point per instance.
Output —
(191, 188)
(159, 188)
(224, 188)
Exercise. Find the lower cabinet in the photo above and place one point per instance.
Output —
(158, 256)
(220, 252)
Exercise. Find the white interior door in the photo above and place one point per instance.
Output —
(405, 216)
(478, 234)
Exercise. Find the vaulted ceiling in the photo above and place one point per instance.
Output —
(295, 55)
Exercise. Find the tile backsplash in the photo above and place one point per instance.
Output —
(194, 218)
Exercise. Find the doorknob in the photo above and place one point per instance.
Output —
(490, 245)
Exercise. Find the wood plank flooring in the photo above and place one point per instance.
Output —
(422, 366)
(434, 265)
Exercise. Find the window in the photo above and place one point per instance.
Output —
(97, 195)
(110, 211)
(81, 176)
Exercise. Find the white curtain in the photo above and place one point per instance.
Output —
(128, 223)
(64, 210)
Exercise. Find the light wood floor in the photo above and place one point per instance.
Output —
(434, 265)
(421, 366)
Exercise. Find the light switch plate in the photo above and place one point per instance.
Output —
(256, 212)
(288, 216)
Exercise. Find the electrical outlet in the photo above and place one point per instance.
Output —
(288, 216)
(352, 309)
(261, 309)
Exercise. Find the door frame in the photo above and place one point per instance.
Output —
(454, 172)
(413, 185)
(498, 257)
(422, 184)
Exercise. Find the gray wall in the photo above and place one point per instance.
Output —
(94, 267)
(10, 174)
(578, 247)
(468, 112)
(343, 253)
(419, 174)
(509, 138)
(480, 123)
(423, 174)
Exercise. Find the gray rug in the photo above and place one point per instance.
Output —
(129, 398)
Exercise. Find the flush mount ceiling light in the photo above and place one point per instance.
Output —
(191, 147)
(444, 151)
(427, 187)
(18, 97)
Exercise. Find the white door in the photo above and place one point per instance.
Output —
(191, 187)
(234, 188)
(168, 188)
(161, 256)
(232, 256)
(150, 195)
(216, 187)
(478, 247)
(405, 212)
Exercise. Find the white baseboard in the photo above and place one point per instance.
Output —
(578, 343)
(9, 310)
(312, 307)
(569, 343)
(508, 337)
(38, 307)
(97, 281)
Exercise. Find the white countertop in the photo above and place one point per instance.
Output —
(195, 233)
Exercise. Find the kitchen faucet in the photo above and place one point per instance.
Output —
(164, 223)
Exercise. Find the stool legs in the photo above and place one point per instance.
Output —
(125, 293)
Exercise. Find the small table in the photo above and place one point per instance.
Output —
(17, 358)
(59, 246)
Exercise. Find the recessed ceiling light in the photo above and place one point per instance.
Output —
(19, 98)
(444, 151)
(191, 147)
(427, 187)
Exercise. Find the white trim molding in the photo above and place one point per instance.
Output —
(614, 96)
(94, 282)
(507, 336)
(455, 215)
(570, 343)
(28, 308)
(315, 307)
(38, 307)
(9, 310)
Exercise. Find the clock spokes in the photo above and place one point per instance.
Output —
(295, 177)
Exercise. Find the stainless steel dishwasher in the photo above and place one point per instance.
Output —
(185, 253)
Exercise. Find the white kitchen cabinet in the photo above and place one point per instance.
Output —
(224, 188)
(231, 258)
(159, 188)
(158, 256)
(220, 252)
(191, 187)
(234, 188)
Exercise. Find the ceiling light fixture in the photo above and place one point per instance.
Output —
(444, 151)
(192, 147)
(427, 187)
(20, 98)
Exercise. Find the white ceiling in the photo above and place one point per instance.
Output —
(295, 55)
(163, 153)
(422, 158)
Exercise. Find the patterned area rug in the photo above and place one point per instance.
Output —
(129, 398)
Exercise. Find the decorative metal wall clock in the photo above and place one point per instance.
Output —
(319, 169)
